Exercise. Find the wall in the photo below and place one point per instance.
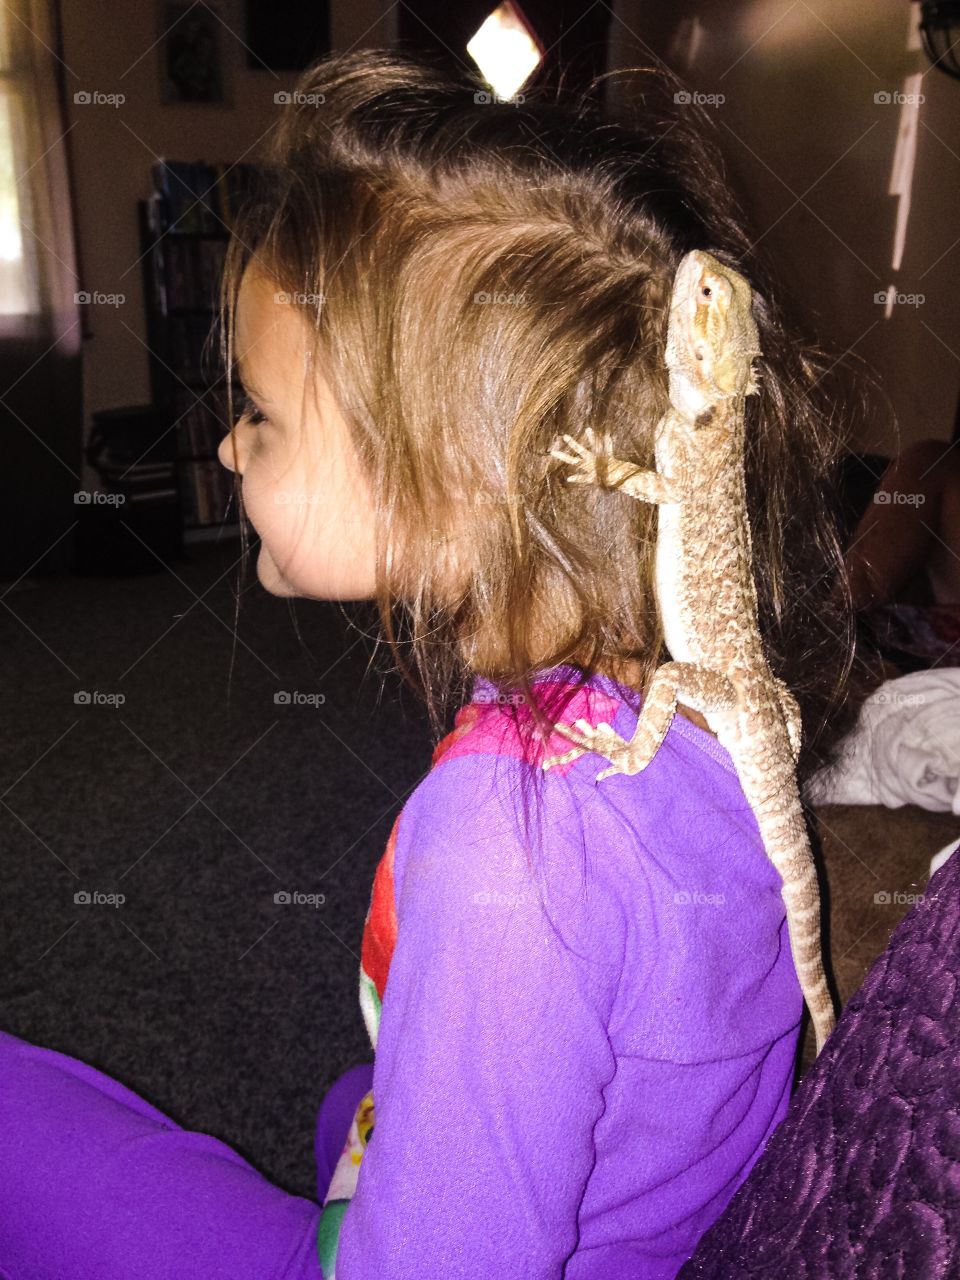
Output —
(798, 117)
(811, 153)
(110, 47)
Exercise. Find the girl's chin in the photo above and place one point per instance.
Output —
(271, 579)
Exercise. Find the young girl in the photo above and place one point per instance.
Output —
(581, 995)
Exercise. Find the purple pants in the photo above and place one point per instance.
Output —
(96, 1184)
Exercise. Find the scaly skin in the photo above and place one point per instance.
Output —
(706, 592)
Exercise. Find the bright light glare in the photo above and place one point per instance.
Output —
(504, 51)
(18, 296)
(11, 245)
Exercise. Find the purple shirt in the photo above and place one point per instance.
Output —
(582, 1108)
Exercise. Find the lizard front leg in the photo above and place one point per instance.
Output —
(696, 686)
(594, 464)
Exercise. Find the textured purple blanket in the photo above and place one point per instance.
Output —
(862, 1176)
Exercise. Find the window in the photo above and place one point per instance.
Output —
(19, 294)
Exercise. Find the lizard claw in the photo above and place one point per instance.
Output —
(603, 740)
(583, 459)
(581, 748)
(624, 756)
(590, 460)
(573, 460)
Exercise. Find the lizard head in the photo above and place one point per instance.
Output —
(712, 337)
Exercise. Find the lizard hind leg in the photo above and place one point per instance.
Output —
(656, 713)
(698, 687)
(791, 713)
(694, 685)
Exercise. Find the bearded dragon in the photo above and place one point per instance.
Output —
(706, 594)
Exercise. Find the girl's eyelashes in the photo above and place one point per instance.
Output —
(251, 412)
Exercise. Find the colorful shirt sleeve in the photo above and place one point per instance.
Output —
(493, 1053)
(343, 1186)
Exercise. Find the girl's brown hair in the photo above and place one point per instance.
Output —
(481, 276)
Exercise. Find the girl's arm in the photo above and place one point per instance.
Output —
(493, 1054)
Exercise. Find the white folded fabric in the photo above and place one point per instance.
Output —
(904, 748)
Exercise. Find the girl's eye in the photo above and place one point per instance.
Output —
(251, 413)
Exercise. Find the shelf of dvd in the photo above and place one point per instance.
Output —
(184, 229)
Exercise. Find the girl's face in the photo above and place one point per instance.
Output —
(303, 486)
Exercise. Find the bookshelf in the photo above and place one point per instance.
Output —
(184, 229)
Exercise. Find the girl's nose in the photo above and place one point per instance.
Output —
(226, 446)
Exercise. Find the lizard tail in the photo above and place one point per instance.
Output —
(784, 834)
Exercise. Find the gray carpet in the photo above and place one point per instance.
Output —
(198, 800)
(229, 1011)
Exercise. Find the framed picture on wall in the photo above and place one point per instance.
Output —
(191, 53)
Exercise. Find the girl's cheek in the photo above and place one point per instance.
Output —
(258, 499)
